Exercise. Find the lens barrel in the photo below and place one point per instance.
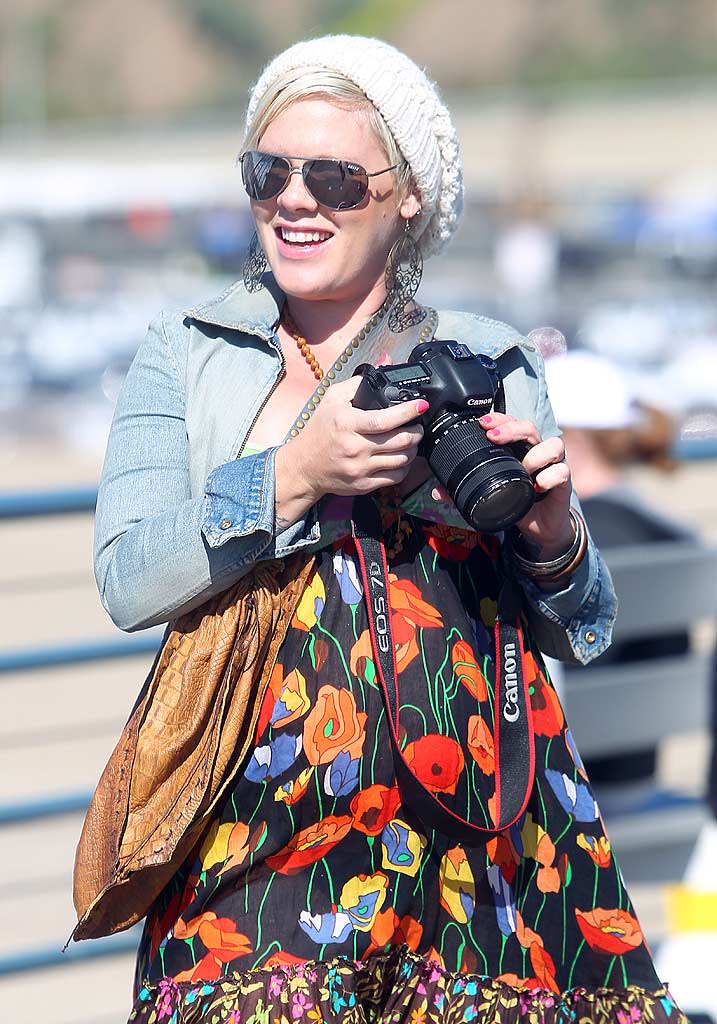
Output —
(489, 486)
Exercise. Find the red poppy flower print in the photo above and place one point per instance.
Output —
(609, 931)
(481, 744)
(548, 717)
(374, 807)
(220, 937)
(502, 852)
(450, 542)
(310, 845)
(269, 702)
(436, 761)
(334, 726)
(466, 669)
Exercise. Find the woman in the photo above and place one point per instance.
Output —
(314, 894)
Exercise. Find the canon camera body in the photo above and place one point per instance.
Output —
(487, 482)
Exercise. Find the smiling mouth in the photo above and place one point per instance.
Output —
(302, 239)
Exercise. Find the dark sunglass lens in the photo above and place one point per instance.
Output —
(335, 183)
(264, 174)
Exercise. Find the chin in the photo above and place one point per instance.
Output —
(312, 287)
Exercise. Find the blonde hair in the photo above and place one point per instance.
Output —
(299, 84)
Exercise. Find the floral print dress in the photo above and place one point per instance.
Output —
(316, 896)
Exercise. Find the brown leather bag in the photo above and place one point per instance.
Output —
(191, 728)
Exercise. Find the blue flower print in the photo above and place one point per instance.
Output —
(574, 797)
(342, 775)
(346, 572)
(326, 928)
(271, 760)
(503, 898)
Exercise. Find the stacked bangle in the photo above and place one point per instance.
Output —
(565, 564)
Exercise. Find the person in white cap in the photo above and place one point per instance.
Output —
(319, 893)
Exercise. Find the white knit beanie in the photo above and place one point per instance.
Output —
(411, 107)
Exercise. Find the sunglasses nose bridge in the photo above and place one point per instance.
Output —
(289, 193)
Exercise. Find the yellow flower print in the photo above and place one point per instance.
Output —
(293, 701)
(597, 846)
(457, 885)
(291, 792)
(226, 844)
(362, 897)
(311, 605)
(401, 847)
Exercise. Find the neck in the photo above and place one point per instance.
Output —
(325, 321)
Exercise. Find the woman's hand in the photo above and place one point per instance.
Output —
(547, 527)
(343, 450)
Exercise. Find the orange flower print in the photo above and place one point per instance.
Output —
(310, 845)
(502, 852)
(437, 761)
(544, 966)
(220, 937)
(311, 604)
(450, 542)
(282, 959)
(481, 745)
(538, 845)
(334, 726)
(598, 847)
(373, 807)
(409, 610)
(388, 930)
(466, 669)
(361, 660)
(609, 931)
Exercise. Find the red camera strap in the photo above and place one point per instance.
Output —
(514, 743)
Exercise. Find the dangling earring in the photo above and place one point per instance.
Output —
(404, 269)
(255, 266)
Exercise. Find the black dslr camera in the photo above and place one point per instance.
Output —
(486, 481)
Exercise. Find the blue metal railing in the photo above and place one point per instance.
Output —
(23, 505)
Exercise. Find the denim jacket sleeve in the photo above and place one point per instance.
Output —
(158, 551)
(573, 624)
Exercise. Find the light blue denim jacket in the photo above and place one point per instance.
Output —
(180, 517)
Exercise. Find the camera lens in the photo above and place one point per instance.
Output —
(488, 485)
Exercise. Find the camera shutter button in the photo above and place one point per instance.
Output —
(392, 393)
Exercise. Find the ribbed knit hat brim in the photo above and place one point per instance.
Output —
(409, 104)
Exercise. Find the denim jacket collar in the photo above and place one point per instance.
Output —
(240, 310)
(258, 312)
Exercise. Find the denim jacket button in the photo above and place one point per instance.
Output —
(225, 524)
(590, 636)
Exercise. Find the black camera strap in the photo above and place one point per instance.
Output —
(514, 744)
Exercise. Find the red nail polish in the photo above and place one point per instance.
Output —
(486, 419)
(422, 406)
(493, 432)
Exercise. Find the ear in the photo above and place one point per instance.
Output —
(410, 206)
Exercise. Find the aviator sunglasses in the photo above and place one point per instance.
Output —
(336, 184)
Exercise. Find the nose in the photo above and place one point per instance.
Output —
(295, 195)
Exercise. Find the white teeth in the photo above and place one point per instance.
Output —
(304, 236)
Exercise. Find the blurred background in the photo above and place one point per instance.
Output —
(589, 136)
